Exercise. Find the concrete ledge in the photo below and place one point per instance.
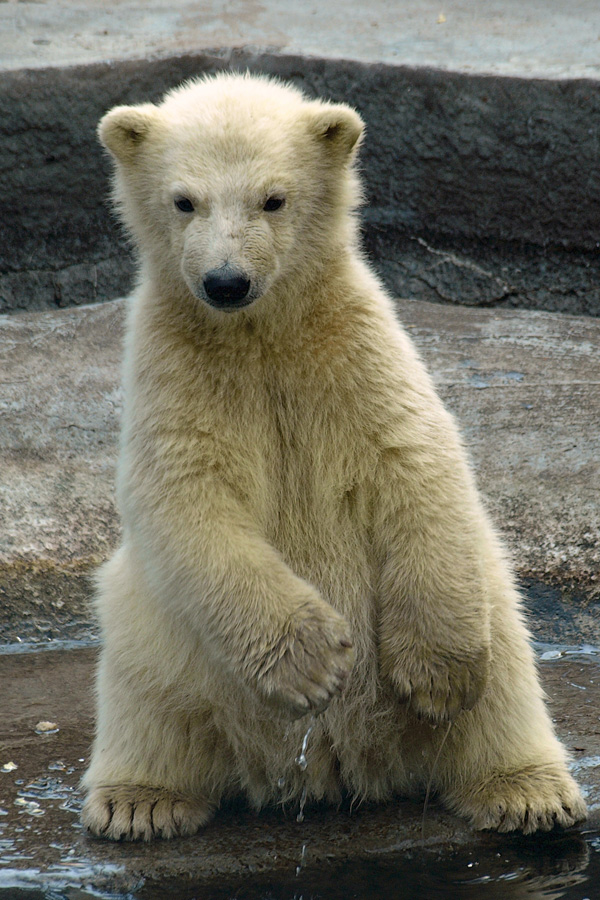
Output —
(480, 163)
(524, 385)
(539, 39)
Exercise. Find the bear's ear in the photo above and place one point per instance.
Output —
(337, 126)
(125, 128)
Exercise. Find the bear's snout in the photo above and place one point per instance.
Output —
(227, 288)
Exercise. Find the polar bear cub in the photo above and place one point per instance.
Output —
(301, 529)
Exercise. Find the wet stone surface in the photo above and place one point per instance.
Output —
(370, 852)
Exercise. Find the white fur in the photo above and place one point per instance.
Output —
(290, 484)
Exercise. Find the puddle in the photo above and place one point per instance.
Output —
(43, 788)
(547, 652)
(492, 379)
(571, 872)
(67, 881)
(22, 646)
(550, 867)
(369, 854)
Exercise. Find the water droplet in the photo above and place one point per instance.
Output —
(9, 767)
(301, 760)
(551, 654)
(31, 807)
(281, 783)
(300, 816)
(301, 863)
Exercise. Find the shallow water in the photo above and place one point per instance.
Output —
(551, 867)
(566, 867)
(368, 855)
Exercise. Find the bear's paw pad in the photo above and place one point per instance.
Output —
(136, 813)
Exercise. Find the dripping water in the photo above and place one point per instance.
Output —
(301, 760)
(302, 763)
(301, 863)
(300, 816)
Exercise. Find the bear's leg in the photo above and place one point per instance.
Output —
(156, 748)
(145, 776)
(502, 766)
(434, 611)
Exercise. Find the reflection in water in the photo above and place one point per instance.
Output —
(552, 867)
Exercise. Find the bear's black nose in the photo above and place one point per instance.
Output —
(225, 288)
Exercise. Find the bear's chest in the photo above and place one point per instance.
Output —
(296, 447)
(317, 459)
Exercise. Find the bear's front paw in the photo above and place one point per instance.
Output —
(310, 665)
(130, 812)
(439, 687)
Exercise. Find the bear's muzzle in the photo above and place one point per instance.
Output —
(227, 288)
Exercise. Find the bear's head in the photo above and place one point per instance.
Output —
(233, 184)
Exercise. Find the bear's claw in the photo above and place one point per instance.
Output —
(538, 798)
(313, 669)
(126, 812)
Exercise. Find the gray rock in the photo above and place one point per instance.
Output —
(524, 385)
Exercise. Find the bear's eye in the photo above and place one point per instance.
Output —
(273, 203)
(184, 205)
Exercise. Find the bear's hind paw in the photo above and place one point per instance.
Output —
(126, 812)
(535, 799)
